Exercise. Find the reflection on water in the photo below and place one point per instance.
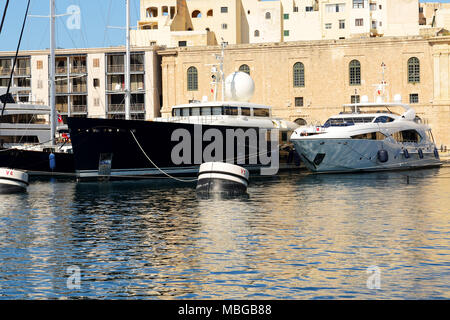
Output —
(296, 236)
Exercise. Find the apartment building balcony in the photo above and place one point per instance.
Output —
(121, 68)
(116, 68)
(61, 70)
(5, 71)
(137, 107)
(62, 88)
(116, 108)
(136, 68)
(136, 87)
(120, 108)
(22, 71)
(62, 108)
(80, 88)
(78, 69)
(118, 87)
(79, 109)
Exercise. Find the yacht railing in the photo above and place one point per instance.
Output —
(206, 119)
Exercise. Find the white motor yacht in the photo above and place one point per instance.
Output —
(368, 137)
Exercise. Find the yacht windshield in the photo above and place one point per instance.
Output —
(383, 119)
(343, 122)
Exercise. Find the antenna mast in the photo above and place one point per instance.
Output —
(222, 75)
(52, 74)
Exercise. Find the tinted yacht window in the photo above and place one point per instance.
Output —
(261, 112)
(217, 111)
(245, 111)
(370, 136)
(185, 112)
(230, 111)
(407, 136)
(195, 111)
(384, 119)
(206, 111)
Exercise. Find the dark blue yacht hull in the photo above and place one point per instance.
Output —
(113, 148)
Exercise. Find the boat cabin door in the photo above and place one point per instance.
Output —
(104, 165)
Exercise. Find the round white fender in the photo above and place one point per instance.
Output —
(222, 177)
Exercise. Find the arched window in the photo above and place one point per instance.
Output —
(413, 70)
(355, 72)
(268, 15)
(209, 13)
(192, 79)
(301, 122)
(256, 33)
(245, 68)
(299, 74)
(196, 14)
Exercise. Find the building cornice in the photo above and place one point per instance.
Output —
(77, 51)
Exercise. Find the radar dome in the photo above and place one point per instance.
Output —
(239, 86)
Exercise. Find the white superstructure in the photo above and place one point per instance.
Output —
(228, 113)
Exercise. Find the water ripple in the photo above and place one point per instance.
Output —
(296, 236)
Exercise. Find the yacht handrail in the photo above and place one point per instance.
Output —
(377, 104)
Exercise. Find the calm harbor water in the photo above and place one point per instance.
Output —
(297, 236)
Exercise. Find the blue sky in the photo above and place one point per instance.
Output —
(96, 15)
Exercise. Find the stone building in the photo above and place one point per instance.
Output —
(174, 23)
(309, 81)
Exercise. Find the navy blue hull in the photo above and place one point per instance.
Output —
(37, 162)
(115, 141)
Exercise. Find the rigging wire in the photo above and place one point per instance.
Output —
(15, 58)
(4, 15)
(105, 35)
(159, 169)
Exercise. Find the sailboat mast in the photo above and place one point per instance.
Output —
(127, 64)
(222, 75)
(52, 74)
